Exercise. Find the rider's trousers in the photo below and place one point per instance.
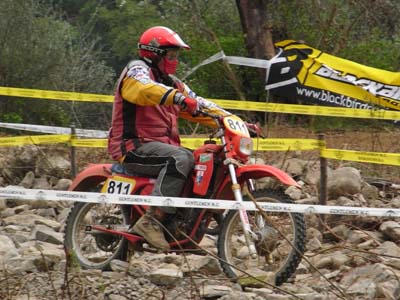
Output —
(170, 164)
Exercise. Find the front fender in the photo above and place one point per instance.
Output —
(259, 171)
(253, 172)
(90, 177)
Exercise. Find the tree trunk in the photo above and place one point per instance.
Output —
(257, 28)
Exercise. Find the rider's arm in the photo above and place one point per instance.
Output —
(140, 89)
(204, 120)
(205, 105)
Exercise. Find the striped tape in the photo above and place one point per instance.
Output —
(34, 140)
(308, 109)
(51, 195)
(194, 143)
(227, 104)
(191, 143)
(54, 95)
(362, 156)
(89, 143)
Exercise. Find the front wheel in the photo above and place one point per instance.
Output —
(280, 244)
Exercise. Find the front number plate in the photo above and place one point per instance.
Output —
(119, 185)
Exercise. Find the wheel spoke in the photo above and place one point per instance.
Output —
(93, 249)
(277, 233)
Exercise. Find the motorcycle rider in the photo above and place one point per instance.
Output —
(144, 134)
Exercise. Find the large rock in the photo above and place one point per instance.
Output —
(294, 166)
(372, 282)
(30, 219)
(41, 183)
(17, 163)
(168, 275)
(203, 264)
(7, 248)
(63, 184)
(214, 291)
(389, 254)
(46, 234)
(28, 180)
(343, 182)
(55, 164)
(3, 204)
(391, 229)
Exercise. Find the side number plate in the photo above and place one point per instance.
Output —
(119, 185)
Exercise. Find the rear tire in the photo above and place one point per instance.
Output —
(232, 246)
(95, 251)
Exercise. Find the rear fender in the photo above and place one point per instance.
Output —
(95, 174)
(254, 172)
(90, 177)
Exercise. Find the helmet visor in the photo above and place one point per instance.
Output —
(172, 53)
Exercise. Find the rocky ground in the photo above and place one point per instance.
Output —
(347, 258)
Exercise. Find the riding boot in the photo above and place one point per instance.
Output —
(148, 226)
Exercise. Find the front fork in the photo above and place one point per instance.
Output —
(249, 235)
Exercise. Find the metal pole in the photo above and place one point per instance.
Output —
(323, 176)
(73, 155)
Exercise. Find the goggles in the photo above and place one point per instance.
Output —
(172, 53)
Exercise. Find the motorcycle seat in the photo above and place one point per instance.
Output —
(126, 169)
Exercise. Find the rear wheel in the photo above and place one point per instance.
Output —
(90, 248)
(280, 245)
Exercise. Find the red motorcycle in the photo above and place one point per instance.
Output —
(97, 233)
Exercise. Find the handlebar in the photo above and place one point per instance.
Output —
(207, 114)
(254, 129)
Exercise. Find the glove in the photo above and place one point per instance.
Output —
(189, 104)
(254, 130)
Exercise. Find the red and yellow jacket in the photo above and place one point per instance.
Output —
(144, 111)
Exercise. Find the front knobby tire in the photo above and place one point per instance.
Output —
(275, 253)
(95, 251)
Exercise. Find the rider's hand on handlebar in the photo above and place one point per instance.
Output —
(189, 104)
(255, 130)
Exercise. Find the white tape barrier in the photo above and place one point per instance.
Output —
(234, 60)
(51, 195)
(101, 134)
(249, 62)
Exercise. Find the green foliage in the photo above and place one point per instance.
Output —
(207, 26)
(380, 53)
(40, 50)
(82, 45)
(363, 31)
(11, 117)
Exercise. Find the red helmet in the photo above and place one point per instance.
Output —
(154, 45)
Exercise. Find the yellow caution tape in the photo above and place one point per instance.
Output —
(34, 140)
(309, 109)
(361, 156)
(191, 143)
(265, 144)
(286, 144)
(89, 143)
(55, 95)
(194, 143)
(227, 104)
